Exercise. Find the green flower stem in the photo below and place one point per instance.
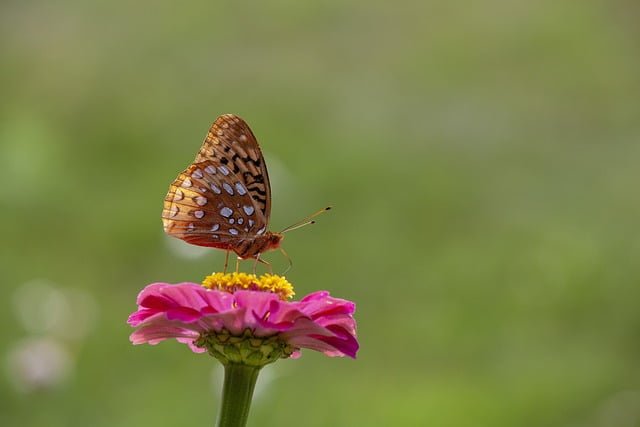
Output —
(239, 382)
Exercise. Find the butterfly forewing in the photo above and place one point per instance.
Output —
(223, 199)
(231, 143)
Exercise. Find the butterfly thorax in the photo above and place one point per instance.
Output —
(251, 248)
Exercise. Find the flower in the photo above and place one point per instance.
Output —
(240, 318)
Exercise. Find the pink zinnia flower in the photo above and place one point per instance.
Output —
(240, 318)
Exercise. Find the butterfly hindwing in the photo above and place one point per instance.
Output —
(209, 205)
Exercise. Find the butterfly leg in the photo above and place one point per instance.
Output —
(286, 255)
(255, 264)
(238, 264)
(261, 261)
(226, 262)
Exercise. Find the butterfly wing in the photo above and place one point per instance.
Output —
(231, 143)
(223, 199)
(208, 206)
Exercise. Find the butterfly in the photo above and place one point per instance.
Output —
(223, 199)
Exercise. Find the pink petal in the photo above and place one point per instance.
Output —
(187, 310)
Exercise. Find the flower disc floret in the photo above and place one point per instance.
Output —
(242, 281)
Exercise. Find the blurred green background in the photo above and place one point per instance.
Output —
(482, 157)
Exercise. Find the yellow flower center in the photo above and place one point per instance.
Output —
(232, 282)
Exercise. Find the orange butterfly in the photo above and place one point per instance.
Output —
(223, 199)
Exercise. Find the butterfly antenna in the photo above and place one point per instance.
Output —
(306, 221)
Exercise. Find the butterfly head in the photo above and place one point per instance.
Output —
(273, 240)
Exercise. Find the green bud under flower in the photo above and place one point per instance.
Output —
(245, 349)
